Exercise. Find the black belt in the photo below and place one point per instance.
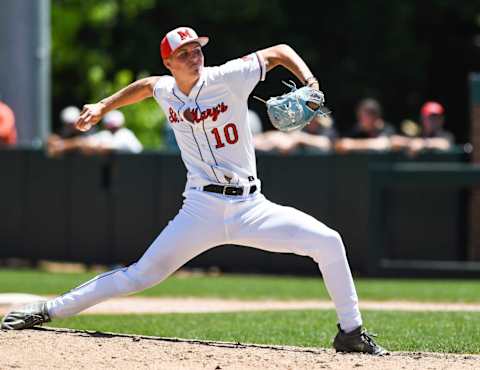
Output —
(228, 190)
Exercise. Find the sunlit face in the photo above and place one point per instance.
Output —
(186, 60)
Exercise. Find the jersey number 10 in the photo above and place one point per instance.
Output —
(230, 132)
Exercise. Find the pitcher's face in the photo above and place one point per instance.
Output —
(186, 60)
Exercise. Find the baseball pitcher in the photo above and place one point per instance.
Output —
(207, 109)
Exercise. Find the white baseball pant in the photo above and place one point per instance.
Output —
(207, 220)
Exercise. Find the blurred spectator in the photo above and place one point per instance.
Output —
(318, 135)
(8, 131)
(275, 141)
(68, 117)
(431, 135)
(370, 132)
(114, 137)
(433, 119)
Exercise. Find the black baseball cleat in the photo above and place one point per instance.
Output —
(26, 317)
(357, 341)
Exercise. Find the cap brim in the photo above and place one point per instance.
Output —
(203, 40)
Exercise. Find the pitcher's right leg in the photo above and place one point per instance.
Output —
(197, 227)
(194, 230)
(184, 238)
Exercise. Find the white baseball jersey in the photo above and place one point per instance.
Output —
(211, 124)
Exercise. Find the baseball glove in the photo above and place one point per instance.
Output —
(295, 110)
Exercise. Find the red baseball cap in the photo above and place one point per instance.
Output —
(431, 107)
(178, 37)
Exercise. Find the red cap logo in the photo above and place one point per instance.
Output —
(178, 37)
(184, 34)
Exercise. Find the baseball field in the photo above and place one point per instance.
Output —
(234, 321)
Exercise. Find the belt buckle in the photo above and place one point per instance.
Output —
(233, 190)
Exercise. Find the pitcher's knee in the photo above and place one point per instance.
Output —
(330, 248)
(133, 280)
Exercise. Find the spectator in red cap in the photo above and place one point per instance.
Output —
(432, 135)
(8, 132)
(433, 119)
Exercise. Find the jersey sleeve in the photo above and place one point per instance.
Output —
(160, 87)
(243, 74)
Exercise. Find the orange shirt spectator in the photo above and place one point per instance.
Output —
(8, 132)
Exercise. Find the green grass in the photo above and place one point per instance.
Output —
(398, 331)
(253, 287)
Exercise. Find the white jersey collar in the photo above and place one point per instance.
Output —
(195, 90)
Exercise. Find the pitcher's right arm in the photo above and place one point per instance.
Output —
(137, 91)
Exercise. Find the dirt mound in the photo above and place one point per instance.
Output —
(63, 348)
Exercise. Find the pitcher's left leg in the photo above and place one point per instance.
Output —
(269, 226)
(265, 225)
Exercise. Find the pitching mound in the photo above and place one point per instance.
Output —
(63, 348)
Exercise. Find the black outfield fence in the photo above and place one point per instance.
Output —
(109, 209)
